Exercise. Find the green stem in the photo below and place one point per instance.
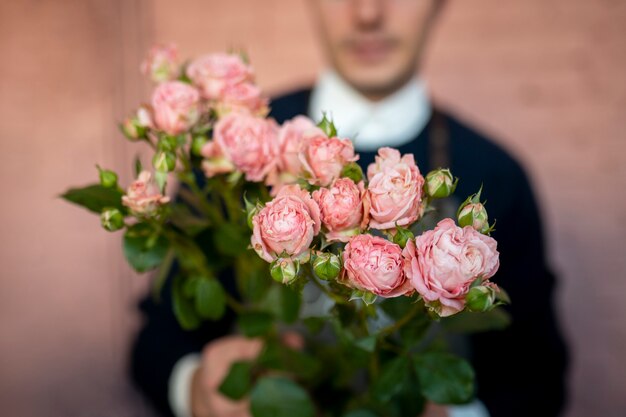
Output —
(402, 321)
(336, 298)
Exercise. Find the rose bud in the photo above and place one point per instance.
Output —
(284, 270)
(112, 219)
(440, 183)
(474, 215)
(480, 298)
(131, 129)
(327, 266)
(164, 161)
(327, 126)
(251, 211)
(161, 63)
(402, 236)
(197, 143)
(136, 127)
(352, 171)
(108, 178)
(443, 264)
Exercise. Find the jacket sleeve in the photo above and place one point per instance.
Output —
(521, 371)
(161, 342)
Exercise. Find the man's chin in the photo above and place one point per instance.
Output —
(376, 84)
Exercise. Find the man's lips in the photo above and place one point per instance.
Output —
(370, 51)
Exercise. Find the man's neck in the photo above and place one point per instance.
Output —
(391, 121)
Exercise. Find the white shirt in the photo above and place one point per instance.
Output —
(393, 121)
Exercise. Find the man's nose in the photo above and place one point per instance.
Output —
(368, 14)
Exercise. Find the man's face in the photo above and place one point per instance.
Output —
(374, 45)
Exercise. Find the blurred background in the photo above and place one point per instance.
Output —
(548, 78)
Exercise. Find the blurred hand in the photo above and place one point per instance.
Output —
(217, 357)
(435, 410)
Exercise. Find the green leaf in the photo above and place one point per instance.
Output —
(185, 220)
(95, 198)
(254, 324)
(238, 381)
(144, 249)
(392, 379)
(397, 307)
(161, 275)
(280, 397)
(368, 343)
(138, 166)
(231, 240)
(183, 306)
(360, 413)
(283, 302)
(445, 378)
(210, 299)
(468, 322)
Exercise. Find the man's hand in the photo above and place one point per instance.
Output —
(217, 357)
(435, 410)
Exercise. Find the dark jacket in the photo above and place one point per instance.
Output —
(520, 371)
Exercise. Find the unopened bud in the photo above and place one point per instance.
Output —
(112, 219)
(480, 298)
(164, 161)
(352, 171)
(251, 211)
(327, 126)
(108, 178)
(284, 270)
(474, 215)
(327, 266)
(402, 236)
(440, 183)
(197, 144)
(132, 129)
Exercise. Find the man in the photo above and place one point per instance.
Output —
(374, 96)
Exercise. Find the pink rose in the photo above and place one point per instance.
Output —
(286, 225)
(212, 73)
(442, 264)
(249, 142)
(241, 97)
(161, 63)
(176, 106)
(375, 264)
(215, 161)
(143, 195)
(323, 158)
(344, 209)
(395, 190)
(292, 138)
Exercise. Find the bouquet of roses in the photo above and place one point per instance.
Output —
(278, 211)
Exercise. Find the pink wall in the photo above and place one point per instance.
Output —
(547, 78)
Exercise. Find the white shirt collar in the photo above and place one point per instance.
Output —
(393, 121)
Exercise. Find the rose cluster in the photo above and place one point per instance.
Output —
(354, 227)
(363, 217)
(187, 102)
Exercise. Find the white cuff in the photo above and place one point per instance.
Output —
(180, 384)
(474, 409)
